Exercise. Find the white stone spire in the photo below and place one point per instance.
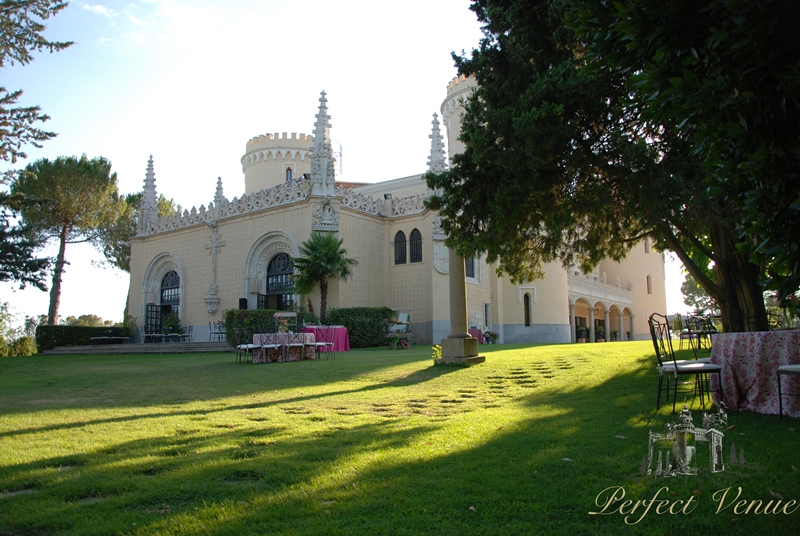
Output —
(149, 205)
(219, 198)
(436, 161)
(322, 171)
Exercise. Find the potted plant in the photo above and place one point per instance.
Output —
(614, 335)
(490, 337)
(172, 324)
(393, 339)
(628, 335)
(582, 333)
(600, 334)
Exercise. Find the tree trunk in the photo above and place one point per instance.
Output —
(58, 269)
(323, 300)
(741, 299)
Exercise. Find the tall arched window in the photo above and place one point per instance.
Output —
(415, 245)
(400, 248)
(469, 267)
(649, 284)
(279, 283)
(288, 174)
(171, 293)
(526, 304)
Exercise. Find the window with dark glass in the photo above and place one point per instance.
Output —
(400, 248)
(280, 292)
(469, 267)
(170, 293)
(415, 245)
(526, 300)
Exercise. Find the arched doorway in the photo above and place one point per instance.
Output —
(279, 289)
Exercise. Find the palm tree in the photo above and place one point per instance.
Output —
(322, 258)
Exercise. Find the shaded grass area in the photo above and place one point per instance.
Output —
(373, 442)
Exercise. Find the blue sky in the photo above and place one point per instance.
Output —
(190, 81)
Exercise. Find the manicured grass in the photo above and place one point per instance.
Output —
(374, 442)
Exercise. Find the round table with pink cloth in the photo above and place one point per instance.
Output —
(750, 364)
(341, 340)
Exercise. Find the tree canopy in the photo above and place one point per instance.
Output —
(568, 158)
(18, 260)
(21, 27)
(115, 238)
(79, 199)
(323, 257)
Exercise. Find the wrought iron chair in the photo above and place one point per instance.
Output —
(326, 344)
(672, 368)
(269, 343)
(700, 329)
(295, 341)
(244, 344)
(788, 370)
(186, 336)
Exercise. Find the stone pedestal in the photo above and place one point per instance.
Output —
(458, 350)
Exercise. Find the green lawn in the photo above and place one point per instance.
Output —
(373, 442)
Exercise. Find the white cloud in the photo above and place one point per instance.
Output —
(137, 21)
(102, 10)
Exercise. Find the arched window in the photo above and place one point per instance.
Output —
(647, 245)
(288, 174)
(649, 284)
(170, 293)
(400, 248)
(415, 245)
(469, 267)
(526, 303)
(279, 283)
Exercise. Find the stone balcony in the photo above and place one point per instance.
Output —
(580, 286)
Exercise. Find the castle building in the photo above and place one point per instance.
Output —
(238, 253)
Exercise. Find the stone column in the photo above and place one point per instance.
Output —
(633, 333)
(591, 325)
(621, 327)
(459, 346)
(608, 324)
(572, 326)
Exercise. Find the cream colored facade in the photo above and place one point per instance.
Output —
(229, 254)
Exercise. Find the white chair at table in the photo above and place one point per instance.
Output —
(244, 344)
(296, 340)
(327, 334)
(789, 370)
(270, 342)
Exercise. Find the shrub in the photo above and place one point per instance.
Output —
(22, 346)
(366, 326)
(50, 336)
(259, 321)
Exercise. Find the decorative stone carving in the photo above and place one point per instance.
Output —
(325, 217)
(410, 204)
(285, 193)
(212, 300)
(362, 203)
(436, 161)
(441, 257)
(322, 169)
(438, 232)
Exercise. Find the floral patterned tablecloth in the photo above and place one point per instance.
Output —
(285, 352)
(750, 363)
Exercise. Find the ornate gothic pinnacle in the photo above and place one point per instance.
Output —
(322, 172)
(436, 161)
(218, 199)
(149, 207)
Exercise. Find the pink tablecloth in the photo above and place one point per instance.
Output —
(478, 334)
(750, 363)
(285, 352)
(341, 340)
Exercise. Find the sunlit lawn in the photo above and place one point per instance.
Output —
(373, 442)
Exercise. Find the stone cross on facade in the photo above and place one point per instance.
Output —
(215, 245)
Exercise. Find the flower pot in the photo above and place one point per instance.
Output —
(392, 345)
(581, 339)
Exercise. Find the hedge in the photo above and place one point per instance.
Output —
(366, 326)
(258, 321)
(50, 336)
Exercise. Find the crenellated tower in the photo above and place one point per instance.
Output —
(458, 92)
(271, 159)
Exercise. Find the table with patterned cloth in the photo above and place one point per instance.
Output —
(750, 364)
(478, 334)
(285, 352)
(341, 339)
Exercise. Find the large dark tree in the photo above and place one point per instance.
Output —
(18, 260)
(564, 161)
(78, 200)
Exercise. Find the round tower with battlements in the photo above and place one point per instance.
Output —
(458, 91)
(271, 159)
